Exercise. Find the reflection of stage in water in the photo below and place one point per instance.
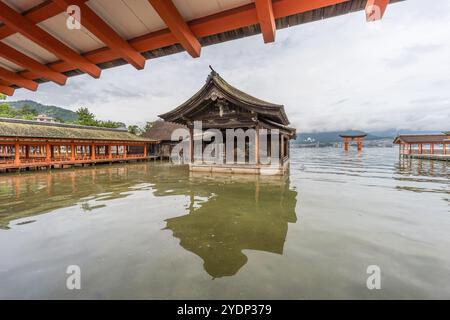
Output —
(241, 212)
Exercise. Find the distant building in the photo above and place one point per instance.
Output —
(31, 144)
(162, 131)
(44, 118)
(428, 146)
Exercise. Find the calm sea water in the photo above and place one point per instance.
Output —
(152, 230)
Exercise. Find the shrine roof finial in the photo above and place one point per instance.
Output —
(212, 70)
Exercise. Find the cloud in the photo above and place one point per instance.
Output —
(333, 74)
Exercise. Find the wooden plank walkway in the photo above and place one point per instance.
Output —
(440, 157)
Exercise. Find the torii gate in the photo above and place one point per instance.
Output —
(347, 138)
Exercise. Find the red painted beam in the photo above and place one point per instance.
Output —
(105, 33)
(266, 19)
(27, 28)
(39, 13)
(6, 90)
(26, 62)
(375, 9)
(220, 22)
(17, 79)
(175, 22)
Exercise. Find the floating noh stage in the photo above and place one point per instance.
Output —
(224, 108)
(358, 138)
(41, 42)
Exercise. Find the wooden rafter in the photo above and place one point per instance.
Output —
(6, 90)
(175, 22)
(23, 25)
(17, 79)
(375, 9)
(39, 13)
(105, 33)
(266, 19)
(26, 62)
(228, 20)
(220, 22)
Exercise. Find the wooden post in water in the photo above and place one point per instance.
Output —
(257, 145)
(191, 149)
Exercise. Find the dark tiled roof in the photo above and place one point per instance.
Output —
(274, 111)
(162, 130)
(34, 129)
(421, 138)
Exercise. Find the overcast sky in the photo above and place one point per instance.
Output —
(340, 73)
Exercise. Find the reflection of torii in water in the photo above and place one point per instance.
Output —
(218, 232)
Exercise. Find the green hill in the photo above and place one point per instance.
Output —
(52, 111)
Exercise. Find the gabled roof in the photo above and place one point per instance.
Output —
(421, 138)
(162, 130)
(215, 85)
(35, 129)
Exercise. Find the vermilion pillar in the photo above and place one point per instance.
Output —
(92, 151)
(110, 152)
(48, 152)
(72, 149)
(17, 153)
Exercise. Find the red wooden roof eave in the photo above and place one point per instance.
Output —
(232, 19)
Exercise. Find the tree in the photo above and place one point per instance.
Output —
(148, 125)
(5, 109)
(134, 129)
(109, 124)
(85, 117)
(28, 110)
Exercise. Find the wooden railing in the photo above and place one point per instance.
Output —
(8, 160)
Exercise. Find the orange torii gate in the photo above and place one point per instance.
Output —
(347, 138)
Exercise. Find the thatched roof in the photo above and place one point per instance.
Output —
(33, 129)
(421, 138)
(162, 130)
(215, 84)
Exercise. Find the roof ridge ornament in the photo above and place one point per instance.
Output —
(213, 72)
